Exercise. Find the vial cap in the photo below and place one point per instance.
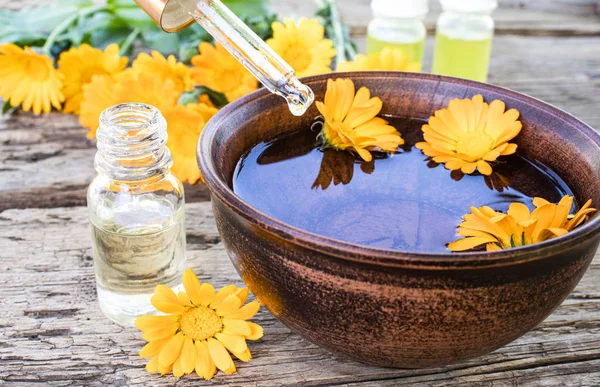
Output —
(168, 14)
(400, 8)
(469, 6)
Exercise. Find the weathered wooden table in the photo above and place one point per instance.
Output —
(52, 332)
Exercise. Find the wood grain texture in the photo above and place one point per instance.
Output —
(52, 331)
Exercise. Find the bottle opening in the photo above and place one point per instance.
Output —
(130, 116)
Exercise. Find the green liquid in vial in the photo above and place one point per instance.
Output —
(414, 51)
(462, 58)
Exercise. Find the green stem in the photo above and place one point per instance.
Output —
(129, 41)
(65, 24)
(336, 23)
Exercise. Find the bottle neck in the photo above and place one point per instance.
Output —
(131, 144)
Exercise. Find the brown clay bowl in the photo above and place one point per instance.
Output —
(392, 308)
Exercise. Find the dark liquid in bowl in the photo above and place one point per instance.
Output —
(401, 201)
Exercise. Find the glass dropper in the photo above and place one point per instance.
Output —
(247, 47)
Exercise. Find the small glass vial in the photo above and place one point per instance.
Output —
(463, 42)
(398, 24)
(136, 212)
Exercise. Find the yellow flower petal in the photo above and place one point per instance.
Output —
(229, 305)
(245, 312)
(29, 79)
(256, 331)
(188, 356)
(148, 322)
(351, 121)
(218, 70)
(192, 286)
(97, 95)
(518, 226)
(233, 343)
(223, 293)
(469, 134)
(220, 356)
(469, 243)
(236, 327)
(388, 59)
(152, 365)
(166, 301)
(165, 69)
(205, 366)
(303, 46)
(207, 293)
(171, 351)
(153, 348)
(242, 294)
(177, 369)
(80, 64)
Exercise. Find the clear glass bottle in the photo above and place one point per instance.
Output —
(398, 24)
(463, 42)
(136, 211)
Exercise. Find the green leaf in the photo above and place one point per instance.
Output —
(30, 26)
(218, 99)
(249, 8)
(6, 107)
(131, 13)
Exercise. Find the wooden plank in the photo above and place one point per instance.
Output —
(53, 333)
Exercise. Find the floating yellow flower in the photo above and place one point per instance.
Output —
(302, 46)
(79, 65)
(351, 120)
(200, 327)
(98, 95)
(470, 134)
(29, 79)
(518, 227)
(185, 123)
(218, 70)
(388, 59)
(164, 68)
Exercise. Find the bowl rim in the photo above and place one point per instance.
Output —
(378, 256)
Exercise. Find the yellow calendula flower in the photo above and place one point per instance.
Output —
(80, 64)
(303, 46)
(148, 89)
(184, 125)
(199, 330)
(99, 94)
(470, 134)
(164, 68)
(29, 79)
(351, 121)
(129, 86)
(388, 59)
(518, 227)
(218, 70)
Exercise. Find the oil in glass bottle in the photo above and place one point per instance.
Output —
(463, 42)
(398, 24)
(136, 211)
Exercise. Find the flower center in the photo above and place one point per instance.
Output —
(298, 57)
(475, 145)
(200, 323)
(37, 69)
